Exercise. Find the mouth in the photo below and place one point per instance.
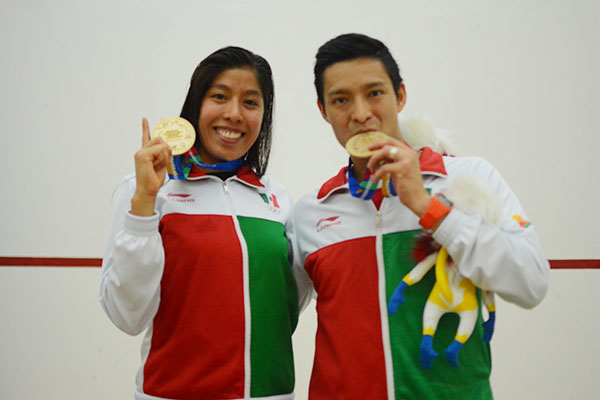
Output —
(365, 130)
(228, 134)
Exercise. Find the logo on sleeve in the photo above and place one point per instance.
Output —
(325, 223)
(521, 221)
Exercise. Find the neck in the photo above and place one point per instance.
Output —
(359, 168)
(209, 171)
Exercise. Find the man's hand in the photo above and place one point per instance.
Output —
(402, 162)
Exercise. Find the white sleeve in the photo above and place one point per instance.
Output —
(132, 267)
(304, 284)
(505, 259)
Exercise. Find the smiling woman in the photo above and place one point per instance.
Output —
(231, 116)
(230, 91)
(205, 248)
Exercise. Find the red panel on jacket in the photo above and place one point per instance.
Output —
(198, 334)
(348, 344)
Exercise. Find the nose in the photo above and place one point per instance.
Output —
(232, 111)
(361, 111)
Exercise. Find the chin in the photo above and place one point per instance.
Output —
(229, 157)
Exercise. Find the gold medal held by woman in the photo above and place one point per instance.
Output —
(178, 132)
(358, 145)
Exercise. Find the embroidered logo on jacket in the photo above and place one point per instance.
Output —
(180, 198)
(271, 199)
(271, 202)
(328, 222)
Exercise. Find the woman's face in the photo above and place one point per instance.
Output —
(230, 116)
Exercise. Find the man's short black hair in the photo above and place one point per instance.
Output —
(351, 46)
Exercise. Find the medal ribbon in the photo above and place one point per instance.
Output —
(366, 189)
(182, 165)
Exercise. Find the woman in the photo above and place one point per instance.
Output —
(200, 259)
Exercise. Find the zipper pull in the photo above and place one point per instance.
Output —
(379, 218)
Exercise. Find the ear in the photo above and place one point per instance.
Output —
(322, 109)
(401, 96)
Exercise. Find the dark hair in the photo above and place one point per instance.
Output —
(351, 46)
(223, 59)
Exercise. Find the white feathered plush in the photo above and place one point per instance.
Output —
(452, 292)
(420, 131)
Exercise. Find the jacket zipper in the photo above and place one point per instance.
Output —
(385, 331)
(246, 282)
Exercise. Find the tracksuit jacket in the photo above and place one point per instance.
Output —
(208, 277)
(352, 256)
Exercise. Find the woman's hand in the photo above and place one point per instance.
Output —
(402, 162)
(150, 168)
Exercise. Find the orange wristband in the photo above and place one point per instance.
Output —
(438, 208)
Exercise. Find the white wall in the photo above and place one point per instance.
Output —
(517, 80)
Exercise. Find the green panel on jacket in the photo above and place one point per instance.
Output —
(274, 307)
(471, 379)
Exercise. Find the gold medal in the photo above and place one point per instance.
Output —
(358, 145)
(177, 132)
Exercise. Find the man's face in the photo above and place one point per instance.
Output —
(359, 97)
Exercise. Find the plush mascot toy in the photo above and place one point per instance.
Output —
(452, 292)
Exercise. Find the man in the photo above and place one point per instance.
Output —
(354, 252)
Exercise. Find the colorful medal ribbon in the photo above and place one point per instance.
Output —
(182, 165)
(366, 189)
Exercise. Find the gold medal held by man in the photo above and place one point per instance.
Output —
(177, 132)
(358, 145)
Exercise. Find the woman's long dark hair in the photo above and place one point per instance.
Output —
(226, 58)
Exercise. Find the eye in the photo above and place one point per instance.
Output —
(218, 96)
(339, 100)
(375, 93)
(251, 103)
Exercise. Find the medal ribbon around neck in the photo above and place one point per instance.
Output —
(182, 165)
(366, 189)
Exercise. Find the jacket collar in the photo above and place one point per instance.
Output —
(245, 175)
(432, 163)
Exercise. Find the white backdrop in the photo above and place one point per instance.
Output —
(518, 82)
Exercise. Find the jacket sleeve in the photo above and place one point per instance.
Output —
(133, 265)
(304, 284)
(506, 259)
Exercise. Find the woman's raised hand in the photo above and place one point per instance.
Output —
(150, 169)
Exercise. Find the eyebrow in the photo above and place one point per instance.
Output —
(250, 92)
(365, 87)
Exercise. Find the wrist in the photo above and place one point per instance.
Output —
(143, 204)
(421, 206)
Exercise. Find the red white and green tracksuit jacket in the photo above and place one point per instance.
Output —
(355, 255)
(209, 278)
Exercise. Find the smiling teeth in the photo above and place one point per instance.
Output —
(229, 134)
